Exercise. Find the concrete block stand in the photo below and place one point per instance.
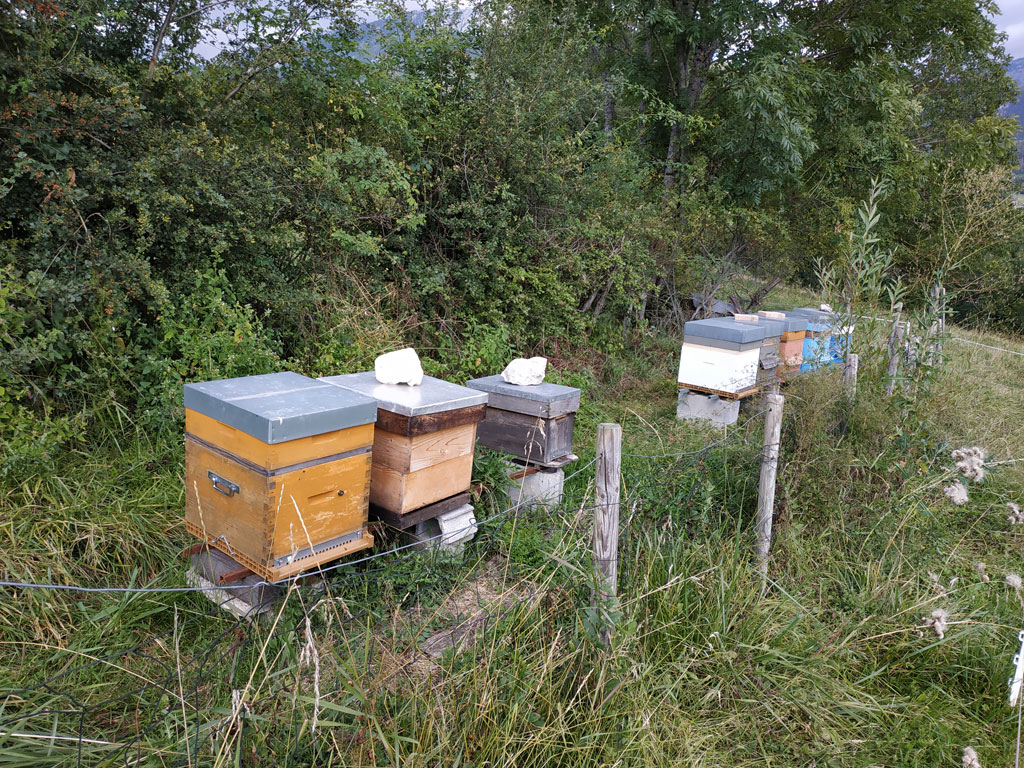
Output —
(535, 486)
(454, 528)
(695, 406)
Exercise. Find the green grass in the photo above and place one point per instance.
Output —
(826, 664)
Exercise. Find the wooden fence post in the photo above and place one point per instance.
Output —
(769, 469)
(895, 348)
(850, 376)
(606, 519)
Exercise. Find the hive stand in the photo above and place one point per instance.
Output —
(423, 448)
(535, 486)
(533, 425)
(277, 470)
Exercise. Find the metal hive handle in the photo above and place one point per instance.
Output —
(224, 486)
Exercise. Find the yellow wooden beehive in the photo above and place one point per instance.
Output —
(277, 470)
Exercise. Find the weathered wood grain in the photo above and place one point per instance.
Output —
(410, 426)
(410, 454)
(606, 517)
(402, 492)
(528, 437)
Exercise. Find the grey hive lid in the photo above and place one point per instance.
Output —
(772, 326)
(432, 396)
(813, 323)
(277, 407)
(725, 329)
(818, 314)
(794, 321)
(541, 393)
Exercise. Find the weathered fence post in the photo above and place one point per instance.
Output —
(769, 469)
(606, 520)
(850, 376)
(895, 347)
(937, 329)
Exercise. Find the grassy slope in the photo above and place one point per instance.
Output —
(828, 666)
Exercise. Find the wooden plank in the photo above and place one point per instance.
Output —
(722, 393)
(240, 572)
(528, 437)
(429, 512)
(410, 454)
(410, 426)
(401, 492)
(544, 409)
(554, 464)
(278, 455)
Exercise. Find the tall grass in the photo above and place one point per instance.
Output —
(490, 658)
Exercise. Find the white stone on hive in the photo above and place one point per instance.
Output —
(399, 367)
(525, 372)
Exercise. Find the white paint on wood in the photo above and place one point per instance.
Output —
(717, 368)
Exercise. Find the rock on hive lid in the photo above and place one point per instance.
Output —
(431, 396)
(277, 407)
(567, 398)
(725, 329)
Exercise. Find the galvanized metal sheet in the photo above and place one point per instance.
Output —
(725, 329)
(277, 407)
(541, 393)
(432, 396)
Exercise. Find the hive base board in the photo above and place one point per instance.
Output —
(553, 464)
(749, 392)
(411, 519)
(295, 567)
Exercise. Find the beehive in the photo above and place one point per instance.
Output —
(277, 470)
(768, 356)
(791, 345)
(423, 441)
(720, 355)
(531, 423)
(829, 347)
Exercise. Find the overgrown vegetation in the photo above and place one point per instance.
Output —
(531, 177)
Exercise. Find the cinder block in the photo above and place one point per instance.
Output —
(448, 532)
(247, 598)
(542, 486)
(694, 406)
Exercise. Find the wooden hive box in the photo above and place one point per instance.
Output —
(720, 355)
(532, 423)
(819, 346)
(277, 470)
(791, 345)
(423, 441)
(817, 340)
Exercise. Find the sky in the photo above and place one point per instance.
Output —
(1011, 21)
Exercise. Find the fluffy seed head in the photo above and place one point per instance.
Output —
(970, 462)
(971, 758)
(1013, 580)
(957, 493)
